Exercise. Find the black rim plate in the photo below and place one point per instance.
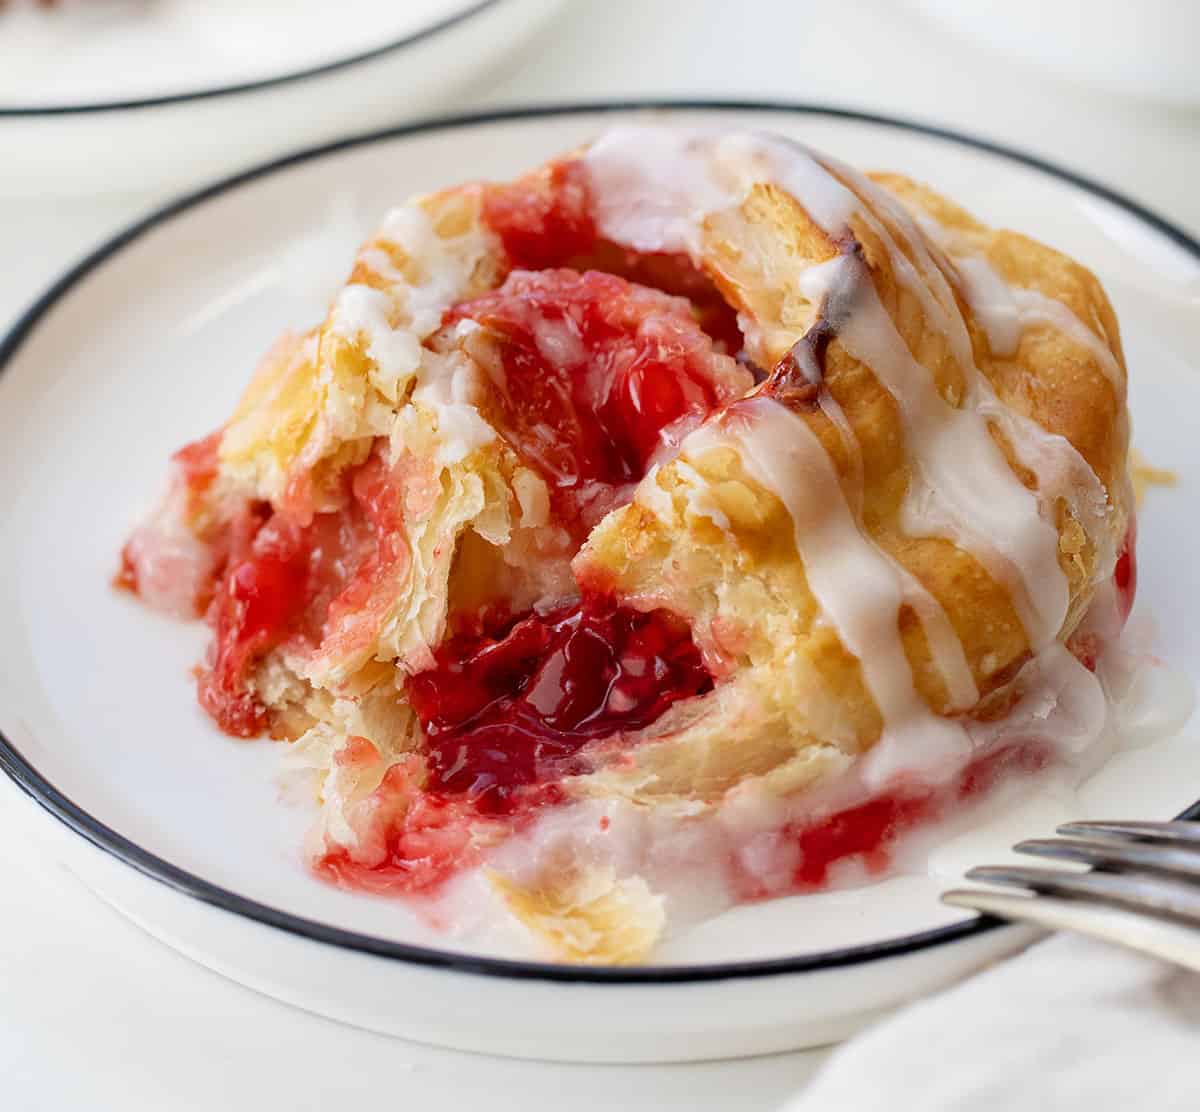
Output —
(44, 793)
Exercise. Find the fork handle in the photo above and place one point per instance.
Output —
(1160, 937)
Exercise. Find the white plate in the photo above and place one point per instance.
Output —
(147, 344)
(111, 95)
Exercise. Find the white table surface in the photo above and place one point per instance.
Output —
(93, 1013)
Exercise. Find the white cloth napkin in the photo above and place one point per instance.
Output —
(1071, 1024)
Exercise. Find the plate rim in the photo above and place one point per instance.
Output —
(42, 792)
(28, 111)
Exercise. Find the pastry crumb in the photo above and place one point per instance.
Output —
(591, 917)
(1145, 475)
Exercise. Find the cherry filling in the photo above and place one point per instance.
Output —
(869, 831)
(548, 223)
(290, 580)
(198, 462)
(194, 468)
(1125, 575)
(597, 369)
(511, 708)
(507, 711)
(594, 376)
(598, 365)
(545, 224)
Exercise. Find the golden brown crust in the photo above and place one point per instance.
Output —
(792, 703)
(1050, 378)
(747, 579)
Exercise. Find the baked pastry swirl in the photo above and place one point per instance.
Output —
(669, 527)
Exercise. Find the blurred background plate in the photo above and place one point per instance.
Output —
(1147, 49)
(117, 95)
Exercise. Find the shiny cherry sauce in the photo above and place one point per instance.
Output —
(514, 707)
(595, 372)
(507, 712)
(543, 223)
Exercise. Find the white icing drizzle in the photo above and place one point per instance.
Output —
(444, 265)
(858, 587)
(991, 299)
(652, 187)
(1005, 312)
(945, 647)
(445, 385)
(396, 352)
(654, 190)
(379, 262)
(837, 417)
(651, 496)
(655, 186)
(450, 386)
(1061, 471)
(929, 284)
(803, 359)
(962, 485)
(806, 178)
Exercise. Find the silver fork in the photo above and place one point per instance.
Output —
(1142, 889)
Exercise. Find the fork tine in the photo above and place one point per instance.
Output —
(1167, 860)
(1161, 937)
(1187, 833)
(1148, 894)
